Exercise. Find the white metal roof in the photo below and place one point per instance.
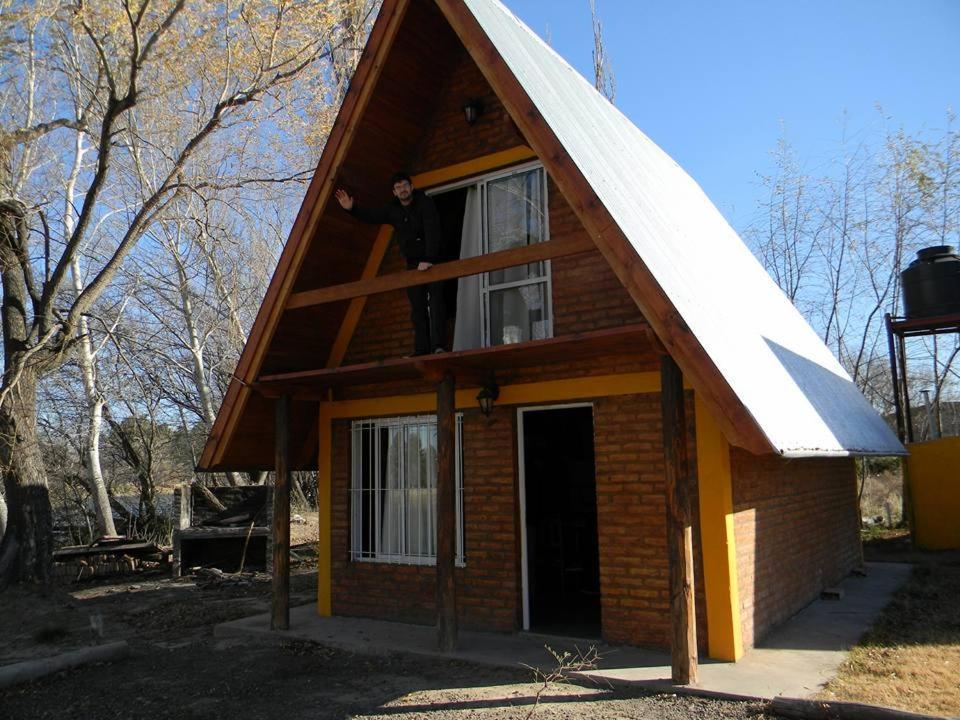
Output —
(797, 392)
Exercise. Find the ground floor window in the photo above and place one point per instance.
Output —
(394, 490)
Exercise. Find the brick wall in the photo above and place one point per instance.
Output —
(447, 138)
(488, 594)
(384, 329)
(631, 515)
(587, 295)
(796, 533)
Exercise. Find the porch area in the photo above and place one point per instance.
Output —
(793, 661)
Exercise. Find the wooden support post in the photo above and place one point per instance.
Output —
(280, 615)
(683, 646)
(895, 377)
(446, 514)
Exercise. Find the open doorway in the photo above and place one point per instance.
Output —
(451, 205)
(561, 564)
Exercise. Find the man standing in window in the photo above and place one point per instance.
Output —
(416, 228)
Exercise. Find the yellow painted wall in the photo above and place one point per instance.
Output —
(718, 546)
(933, 477)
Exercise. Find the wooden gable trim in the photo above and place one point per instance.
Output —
(428, 179)
(736, 421)
(355, 101)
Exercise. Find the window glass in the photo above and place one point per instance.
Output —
(516, 301)
(515, 218)
(517, 314)
(394, 490)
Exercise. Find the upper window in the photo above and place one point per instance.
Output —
(516, 301)
(501, 211)
(394, 490)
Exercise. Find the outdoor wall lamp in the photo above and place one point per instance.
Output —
(488, 395)
(472, 109)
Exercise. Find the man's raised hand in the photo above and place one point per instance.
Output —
(345, 200)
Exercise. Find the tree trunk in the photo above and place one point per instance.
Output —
(88, 369)
(27, 546)
(26, 553)
(3, 514)
(87, 360)
(196, 352)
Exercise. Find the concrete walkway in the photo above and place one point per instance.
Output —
(794, 661)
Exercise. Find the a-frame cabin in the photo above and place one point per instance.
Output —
(592, 271)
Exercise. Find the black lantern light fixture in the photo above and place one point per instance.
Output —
(488, 395)
(472, 110)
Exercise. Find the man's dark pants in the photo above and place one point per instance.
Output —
(429, 326)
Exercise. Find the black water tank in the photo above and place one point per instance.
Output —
(931, 284)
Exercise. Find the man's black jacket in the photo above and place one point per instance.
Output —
(416, 227)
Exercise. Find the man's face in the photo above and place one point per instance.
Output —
(403, 191)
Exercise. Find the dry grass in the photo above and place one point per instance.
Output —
(883, 497)
(306, 532)
(910, 659)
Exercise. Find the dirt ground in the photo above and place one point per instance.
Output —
(177, 669)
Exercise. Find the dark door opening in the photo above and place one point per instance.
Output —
(450, 206)
(563, 566)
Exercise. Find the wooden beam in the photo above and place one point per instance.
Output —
(683, 645)
(534, 393)
(280, 615)
(442, 271)
(446, 514)
(522, 394)
(468, 365)
(474, 166)
(352, 317)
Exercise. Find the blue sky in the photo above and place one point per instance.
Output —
(715, 84)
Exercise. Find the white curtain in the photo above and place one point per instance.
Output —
(392, 484)
(421, 444)
(409, 500)
(468, 332)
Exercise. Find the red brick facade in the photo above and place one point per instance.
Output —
(488, 586)
(448, 139)
(631, 518)
(796, 532)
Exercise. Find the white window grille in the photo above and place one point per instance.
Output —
(394, 490)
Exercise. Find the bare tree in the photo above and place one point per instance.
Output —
(788, 227)
(837, 243)
(603, 78)
(150, 84)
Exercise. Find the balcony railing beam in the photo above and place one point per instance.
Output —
(441, 271)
